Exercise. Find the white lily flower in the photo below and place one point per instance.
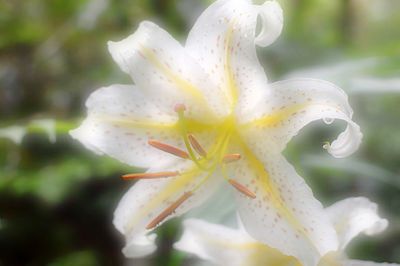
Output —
(226, 246)
(209, 104)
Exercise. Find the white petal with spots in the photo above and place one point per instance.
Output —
(288, 106)
(148, 198)
(284, 215)
(120, 122)
(223, 41)
(163, 70)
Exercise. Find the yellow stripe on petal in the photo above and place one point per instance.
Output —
(264, 181)
(136, 123)
(276, 117)
(181, 83)
(232, 89)
(258, 253)
(169, 192)
(192, 125)
(264, 255)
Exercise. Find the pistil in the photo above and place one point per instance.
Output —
(180, 109)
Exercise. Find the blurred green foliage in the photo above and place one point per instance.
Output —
(56, 200)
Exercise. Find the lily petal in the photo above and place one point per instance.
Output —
(220, 245)
(284, 215)
(354, 216)
(147, 199)
(290, 105)
(365, 263)
(215, 243)
(272, 23)
(140, 246)
(121, 120)
(162, 69)
(223, 40)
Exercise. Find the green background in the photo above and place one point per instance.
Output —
(57, 200)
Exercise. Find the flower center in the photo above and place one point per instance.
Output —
(205, 160)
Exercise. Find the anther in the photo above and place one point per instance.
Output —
(326, 145)
(168, 211)
(149, 175)
(168, 148)
(242, 189)
(229, 158)
(196, 146)
(180, 107)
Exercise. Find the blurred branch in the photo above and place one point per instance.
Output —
(360, 168)
(346, 24)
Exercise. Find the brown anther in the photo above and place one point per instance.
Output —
(168, 148)
(180, 107)
(168, 211)
(196, 146)
(242, 189)
(149, 175)
(229, 158)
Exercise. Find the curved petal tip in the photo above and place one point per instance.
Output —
(140, 246)
(347, 142)
(271, 23)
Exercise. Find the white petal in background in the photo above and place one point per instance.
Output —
(225, 246)
(17, 133)
(13, 133)
(354, 216)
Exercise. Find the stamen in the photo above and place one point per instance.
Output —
(326, 145)
(241, 188)
(168, 148)
(196, 146)
(149, 175)
(168, 211)
(230, 158)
